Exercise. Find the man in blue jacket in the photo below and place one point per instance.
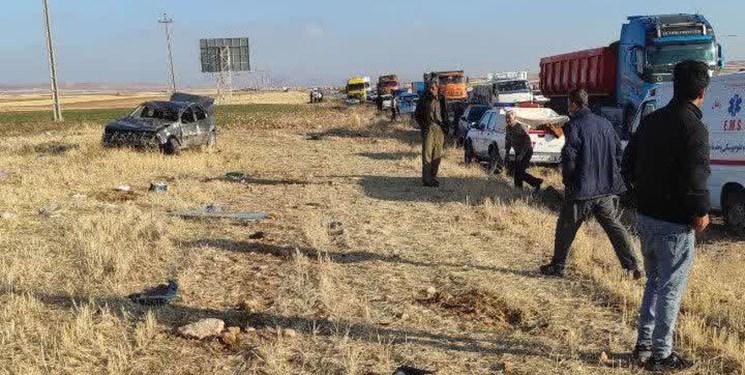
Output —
(591, 170)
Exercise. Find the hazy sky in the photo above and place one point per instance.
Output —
(324, 41)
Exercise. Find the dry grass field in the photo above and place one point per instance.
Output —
(443, 279)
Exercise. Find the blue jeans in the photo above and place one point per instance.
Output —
(668, 251)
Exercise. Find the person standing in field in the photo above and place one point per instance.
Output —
(666, 166)
(517, 137)
(394, 106)
(429, 116)
(591, 171)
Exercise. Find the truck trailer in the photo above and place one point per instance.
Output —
(618, 76)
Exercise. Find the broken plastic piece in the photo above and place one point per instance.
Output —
(157, 295)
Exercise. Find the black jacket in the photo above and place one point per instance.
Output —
(667, 164)
(518, 138)
(591, 158)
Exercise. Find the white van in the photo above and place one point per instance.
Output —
(724, 116)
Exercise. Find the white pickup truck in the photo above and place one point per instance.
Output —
(486, 140)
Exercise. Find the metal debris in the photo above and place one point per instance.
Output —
(124, 188)
(236, 176)
(335, 228)
(50, 211)
(206, 214)
(158, 187)
(158, 295)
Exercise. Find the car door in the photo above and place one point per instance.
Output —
(490, 136)
(463, 124)
(479, 142)
(500, 131)
(202, 125)
(188, 127)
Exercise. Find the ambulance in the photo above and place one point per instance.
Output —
(724, 116)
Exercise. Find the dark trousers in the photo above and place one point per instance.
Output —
(606, 212)
(433, 140)
(522, 162)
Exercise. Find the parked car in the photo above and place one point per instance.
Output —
(486, 140)
(724, 115)
(469, 119)
(183, 121)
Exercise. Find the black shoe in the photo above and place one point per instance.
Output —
(642, 354)
(436, 183)
(552, 270)
(672, 362)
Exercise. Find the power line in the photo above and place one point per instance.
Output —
(56, 107)
(166, 21)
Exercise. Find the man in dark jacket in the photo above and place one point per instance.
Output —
(667, 167)
(591, 170)
(430, 119)
(517, 137)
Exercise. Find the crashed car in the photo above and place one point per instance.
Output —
(184, 121)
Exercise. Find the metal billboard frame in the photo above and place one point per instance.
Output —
(222, 57)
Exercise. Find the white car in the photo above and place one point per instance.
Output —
(486, 141)
(724, 115)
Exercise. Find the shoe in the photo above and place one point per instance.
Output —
(636, 274)
(672, 362)
(537, 188)
(642, 354)
(435, 183)
(552, 270)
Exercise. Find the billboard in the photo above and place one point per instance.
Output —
(224, 54)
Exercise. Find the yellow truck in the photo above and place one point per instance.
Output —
(358, 88)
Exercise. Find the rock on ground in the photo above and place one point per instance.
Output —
(202, 329)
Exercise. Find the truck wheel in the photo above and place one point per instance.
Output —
(734, 210)
(171, 147)
(468, 154)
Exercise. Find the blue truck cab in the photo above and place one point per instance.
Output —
(649, 48)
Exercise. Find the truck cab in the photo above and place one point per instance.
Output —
(511, 87)
(387, 84)
(649, 48)
(358, 88)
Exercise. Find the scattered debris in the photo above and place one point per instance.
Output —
(236, 176)
(212, 208)
(78, 196)
(257, 235)
(202, 329)
(603, 358)
(7, 215)
(431, 291)
(335, 228)
(403, 316)
(55, 148)
(50, 211)
(209, 213)
(158, 295)
(408, 370)
(124, 188)
(158, 187)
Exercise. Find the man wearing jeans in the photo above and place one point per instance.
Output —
(667, 166)
(591, 170)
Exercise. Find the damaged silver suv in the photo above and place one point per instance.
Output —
(184, 121)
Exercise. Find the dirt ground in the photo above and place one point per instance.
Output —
(358, 270)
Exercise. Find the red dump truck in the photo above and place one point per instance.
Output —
(387, 84)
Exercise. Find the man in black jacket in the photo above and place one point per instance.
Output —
(667, 167)
(517, 137)
(591, 170)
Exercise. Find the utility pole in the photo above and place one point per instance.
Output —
(166, 21)
(57, 108)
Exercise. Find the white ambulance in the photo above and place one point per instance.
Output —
(724, 115)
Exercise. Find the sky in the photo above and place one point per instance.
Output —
(302, 42)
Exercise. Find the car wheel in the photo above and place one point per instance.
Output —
(171, 147)
(495, 162)
(734, 211)
(468, 154)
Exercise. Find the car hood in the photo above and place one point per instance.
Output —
(132, 124)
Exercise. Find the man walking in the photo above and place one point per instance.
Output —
(667, 167)
(429, 116)
(517, 137)
(591, 170)
(394, 107)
